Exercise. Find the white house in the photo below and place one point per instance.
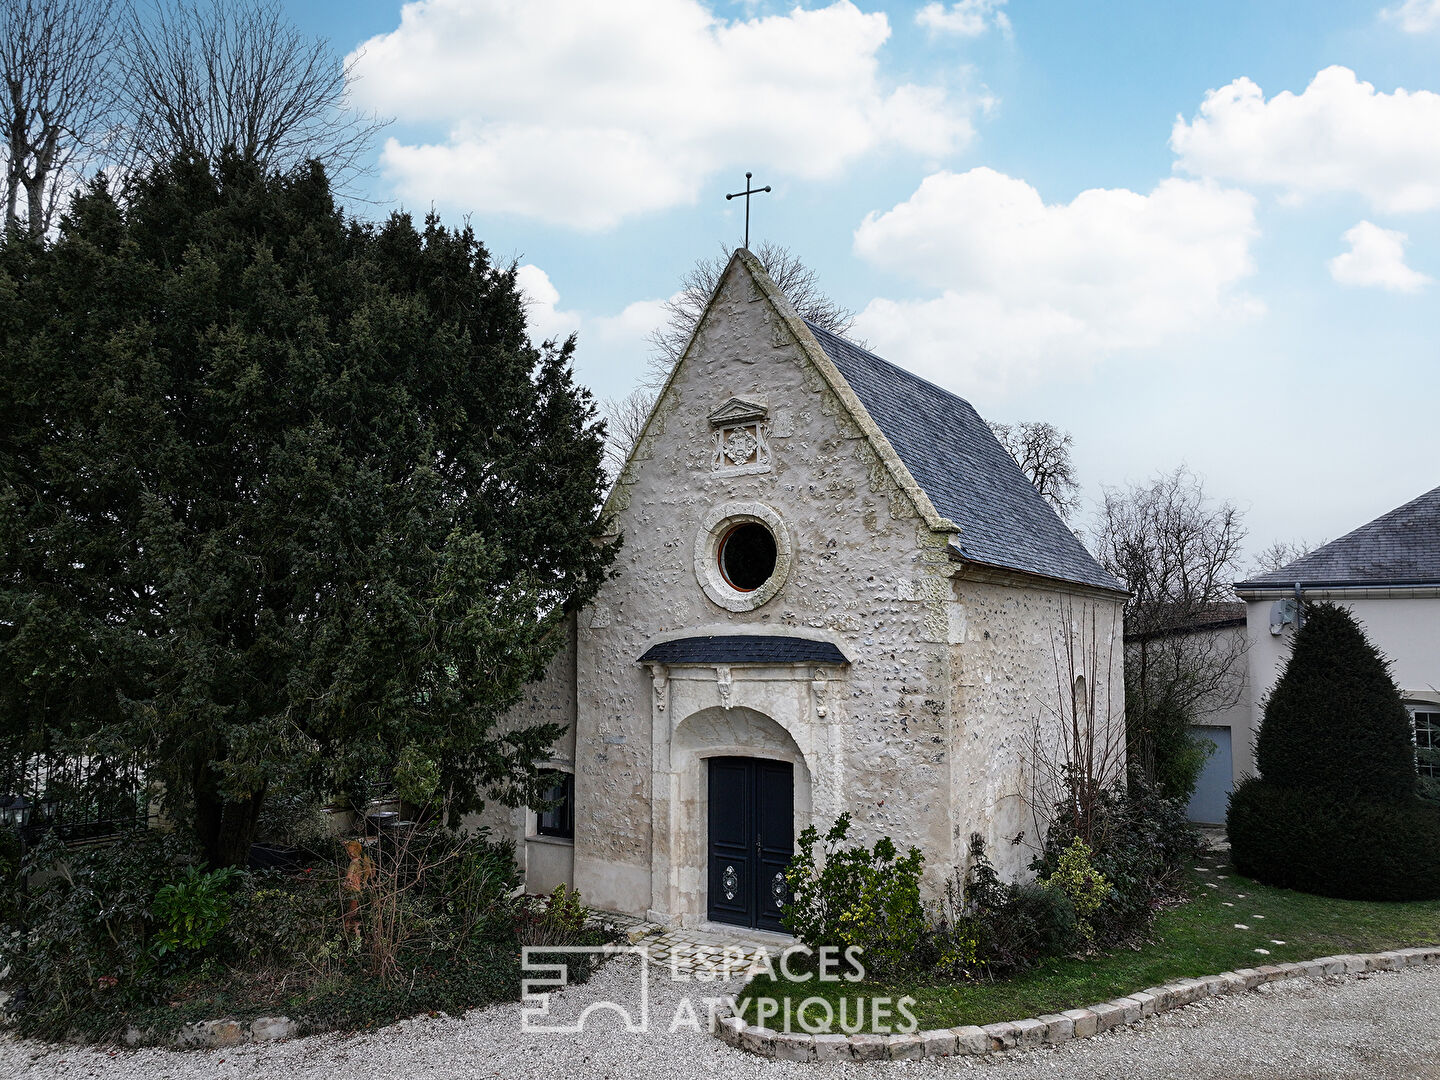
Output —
(1388, 574)
(1213, 641)
(837, 592)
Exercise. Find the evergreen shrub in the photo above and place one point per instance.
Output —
(1335, 810)
(1330, 845)
(850, 895)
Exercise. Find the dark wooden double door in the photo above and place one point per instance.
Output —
(752, 837)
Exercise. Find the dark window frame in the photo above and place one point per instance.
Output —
(1426, 734)
(772, 556)
(558, 822)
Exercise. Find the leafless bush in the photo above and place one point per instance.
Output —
(424, 889)
(1076, 746)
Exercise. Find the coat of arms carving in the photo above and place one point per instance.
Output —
(741, 432)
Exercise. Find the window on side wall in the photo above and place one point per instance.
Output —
(1427, 742)
(559, 819)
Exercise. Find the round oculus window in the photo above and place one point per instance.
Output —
(747, 556)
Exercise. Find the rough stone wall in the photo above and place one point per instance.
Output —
(1011, 673)
(548, 700)
(861, 569)
(924, 736)
(551, 700)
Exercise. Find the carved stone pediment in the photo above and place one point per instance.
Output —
(739, 410)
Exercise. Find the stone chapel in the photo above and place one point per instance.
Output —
(836, 592)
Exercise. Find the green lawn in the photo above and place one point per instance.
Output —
(1197, 938)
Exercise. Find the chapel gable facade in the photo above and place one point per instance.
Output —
(836, 592)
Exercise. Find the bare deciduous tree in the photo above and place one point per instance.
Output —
(1177, 551)
(797, 281)
(1043, 453)
(625, 423)
(1281, 553)
(109, 82)
(203, 77)
(55, 61)
(626, 416)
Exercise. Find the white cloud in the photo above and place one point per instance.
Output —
(583, 113)
(968, 18)
(1414, 16)
(1339, 135)
(542, 300)
(1029, 290)
(611, 351)
(632, 327)
(1376, 258)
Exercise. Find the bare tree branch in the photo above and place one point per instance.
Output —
(1281, 553)
(797, 281)
(56, 66)
(1177, 552)
(1076, 745)
(1043, 453)
(624, 424)
(626, 416)
(206, 76)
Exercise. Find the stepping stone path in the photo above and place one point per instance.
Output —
(691, 949)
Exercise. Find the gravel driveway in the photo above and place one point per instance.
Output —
(1385, 1025)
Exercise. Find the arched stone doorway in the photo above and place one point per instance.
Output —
(735, 744)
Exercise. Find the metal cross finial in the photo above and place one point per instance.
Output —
(747, 193)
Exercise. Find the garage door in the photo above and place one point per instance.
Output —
(1212, 791)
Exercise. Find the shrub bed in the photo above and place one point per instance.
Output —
(1337, 809)
(1191, 939)
(135, 935)
(1083, 897)
(1350, 848)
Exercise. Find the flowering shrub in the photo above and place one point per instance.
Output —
(857, 896)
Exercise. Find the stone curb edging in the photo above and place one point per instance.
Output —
(1053, 1028)
(215, 1034)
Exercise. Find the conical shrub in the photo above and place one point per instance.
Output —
(1335, 721)
(1334, 810)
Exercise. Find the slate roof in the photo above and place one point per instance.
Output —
(957, 461)
(1183, 620)
(743, 649)
(1398, 548)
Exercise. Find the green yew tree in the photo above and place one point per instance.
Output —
(1335, 720)
(283, 494)
(1335, 808)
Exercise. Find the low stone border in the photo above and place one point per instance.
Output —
(1053, 1028)
(214, 1034)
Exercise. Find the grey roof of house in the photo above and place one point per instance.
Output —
(957, 461)
(744, 649)
(1185, 620)
(1398, 548)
